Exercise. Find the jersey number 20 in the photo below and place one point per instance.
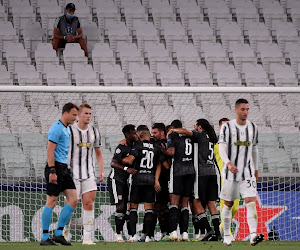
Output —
(147, 160)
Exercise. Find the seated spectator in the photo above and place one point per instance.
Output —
(67, 29)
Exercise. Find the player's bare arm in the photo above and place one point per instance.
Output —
(182, 131)
(166, 164)
(51, 160)
(157, 175)
(168, 152)
(99, 157)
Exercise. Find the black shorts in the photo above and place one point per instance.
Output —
(142, 193)
(182, 185)
(162, 197)
(118, 191)
(207, 188)
(64, 179)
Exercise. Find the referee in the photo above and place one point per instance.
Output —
(58, 176)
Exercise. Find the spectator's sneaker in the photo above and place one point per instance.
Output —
(143, 238)
(119, 238)
(255, 240)
(88, 242)
(185, 236)
(133, 238)
(174, 236)
(227, 240)
(61, 240)
(47, 242)
(209, 236)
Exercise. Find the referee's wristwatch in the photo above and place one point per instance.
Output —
(125, 169)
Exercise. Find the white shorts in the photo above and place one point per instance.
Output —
(231, 190)
(84, 186)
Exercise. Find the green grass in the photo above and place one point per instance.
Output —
(266, 245)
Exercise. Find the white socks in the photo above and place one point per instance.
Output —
(88, 224)
(252, 218)
(226, 215)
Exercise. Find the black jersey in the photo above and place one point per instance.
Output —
(204, 154)
(165, 173)
(117, 174)
(147, 156)
(183, 158)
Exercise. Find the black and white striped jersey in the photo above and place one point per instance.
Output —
(81, 158)
(239, 141)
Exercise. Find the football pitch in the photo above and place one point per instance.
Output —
(266, 245)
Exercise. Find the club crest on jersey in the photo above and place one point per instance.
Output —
(118, 151)
(242, 143)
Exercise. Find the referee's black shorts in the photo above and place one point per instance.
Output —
(64, 179)
(207, 188)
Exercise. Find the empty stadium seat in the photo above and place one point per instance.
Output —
(185, 53)
(45, 55)
(106, 10)
(33, 34)
(160, 10)
(128, 53)
(133, 13)
(155, 53)
(245, 11)
(141, 75)
(188, 10)
(16, 54)
(242, 53)
(144, 32)
(7, 34)
(73, 54)
(5, 76)
(198, 75)
(85, 75)
(200, 31)
(3, 14)
(227, 75)
(283, 75)
(255, 75)
(292, 51)
(169, 75)
(271, 10)
(92, 34)
(117, 32)
(112, 75)
(102, 54)
(270, 53)
(230, 34)
(27, 75)
(56, 75)
(213, 52)
(22, 12)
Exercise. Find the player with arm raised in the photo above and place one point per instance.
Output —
(182, 176)
(206, 183)
(85, 140)
(238, 150)
(118, 179)
(59, 176)
(146, 157)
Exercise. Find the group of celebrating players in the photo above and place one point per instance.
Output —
(176, 169)
(173, 171)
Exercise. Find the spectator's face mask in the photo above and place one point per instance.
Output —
(69, 15)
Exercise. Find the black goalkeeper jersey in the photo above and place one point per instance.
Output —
(206, 158)
(183, 158)
(147, 156)
(120, 175)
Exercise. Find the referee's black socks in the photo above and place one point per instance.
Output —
(173, 216)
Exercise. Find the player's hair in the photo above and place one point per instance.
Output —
(127, 129)
(176, 124)
(223, 120)
(68, 107)
(84, 105)
(209, 130)
(240, 101)
(160, 126)
(143, 130)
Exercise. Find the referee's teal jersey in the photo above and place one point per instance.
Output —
(60, 135)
